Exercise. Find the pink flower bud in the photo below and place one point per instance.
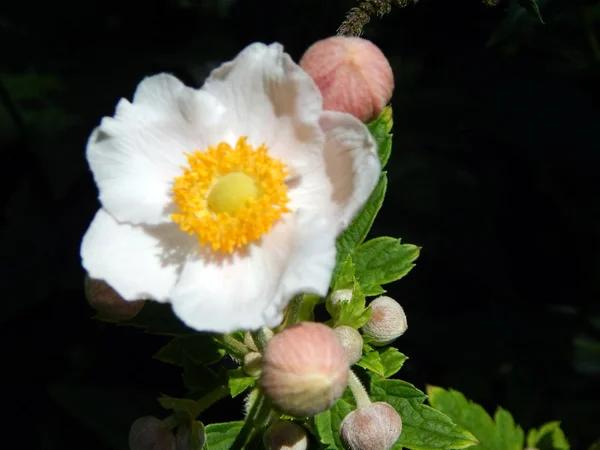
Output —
(387, 322)
(305, 369)
(352, 342)
(374, 427)
(108, 303)
(150, 433)
(285, 435)
(353, 75)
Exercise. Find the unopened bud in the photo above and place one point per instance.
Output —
(108, 303)
(341, 295)
(190, 436)
(353, 75)
(352, 342)
(305, 369)
(374, 427)
(252, 363)
(150, 433)
(387, 322)
(285, 435)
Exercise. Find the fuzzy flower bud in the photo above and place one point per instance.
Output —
(353, 75)
(374, 427)
(190, 435)
(387, 322)
(352, 342)
(108, 303)
(285, 435)
(150, 433)
(305, 369)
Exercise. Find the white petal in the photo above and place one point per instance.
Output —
(352, 163)
(136, 261)
(135, 155)
(248, 291)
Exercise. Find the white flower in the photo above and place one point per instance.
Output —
(261, 179)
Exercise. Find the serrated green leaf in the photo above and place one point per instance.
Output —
(382, 260)
(158, 318)
(392, 361)
(183, 408)
(548, 437)
(360, 226)
(372, 361)
(422, 426)
(327, 424)
(220, 436)
(532, 7)
(239, 381)
(501, 434)
(201, 347)
(380, 129)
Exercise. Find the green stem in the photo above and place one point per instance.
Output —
(358, 391)
(235, 348)
(257, 418)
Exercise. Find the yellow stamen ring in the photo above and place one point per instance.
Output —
(229, 197)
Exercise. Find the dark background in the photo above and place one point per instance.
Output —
(494, 173)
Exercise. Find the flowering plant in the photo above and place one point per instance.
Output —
(241, 210)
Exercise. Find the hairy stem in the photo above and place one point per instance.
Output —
(358, 391)
(234, 347)
(360, 15)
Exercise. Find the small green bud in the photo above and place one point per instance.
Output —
(150, 433)
(352, 342)
(285, 435)
(374, 427)
(387, 322)
(305, 369)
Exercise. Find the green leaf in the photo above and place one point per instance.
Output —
(239, 381)
(360, 226)
(498, 434)
(327, 424)
(220, 436)
(200, 379)
(372, 361)
(532, 7)
(158, 318)
(548, 437)
(201, 347)
(422, 426)
(380, 129)
(392, 361)
(383, 260)
(183, 408)
(384, 362)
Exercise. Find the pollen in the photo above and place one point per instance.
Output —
(230, 196)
